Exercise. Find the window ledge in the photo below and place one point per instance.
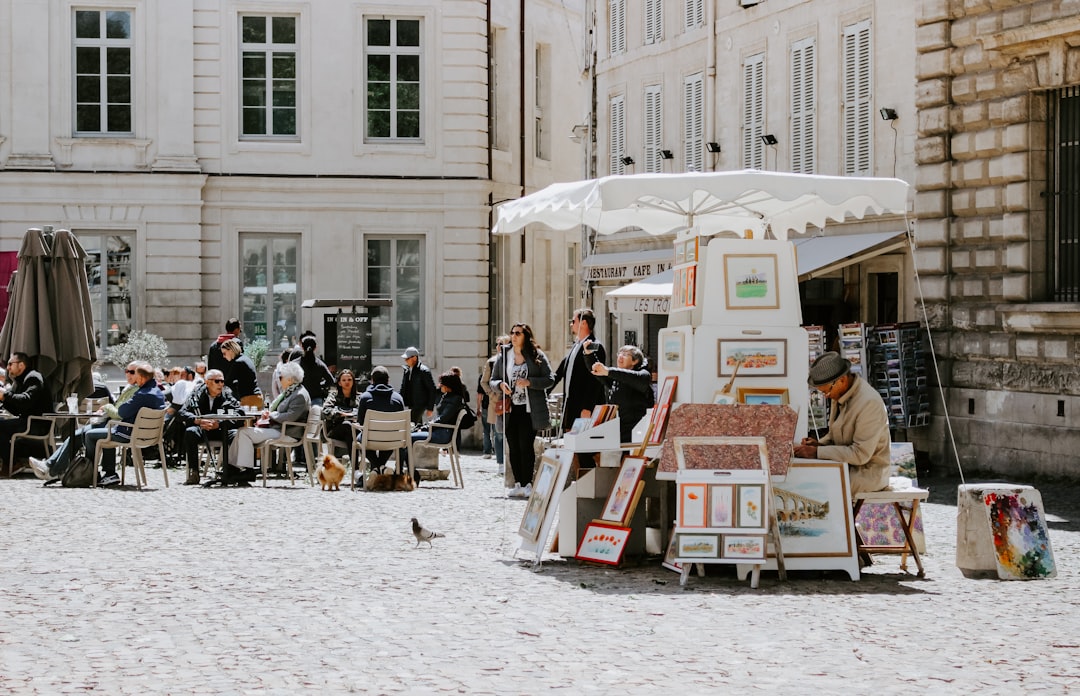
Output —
(137, 145)
(1046, 318)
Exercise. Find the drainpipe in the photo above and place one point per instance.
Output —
(710, 78)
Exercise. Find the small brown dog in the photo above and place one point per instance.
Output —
(330, 473)
(388, 482)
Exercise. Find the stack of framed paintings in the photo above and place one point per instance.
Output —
(604, 540)
(540, 510)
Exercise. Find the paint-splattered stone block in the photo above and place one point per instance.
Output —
(1001, 531)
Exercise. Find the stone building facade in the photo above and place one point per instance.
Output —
(997, 238)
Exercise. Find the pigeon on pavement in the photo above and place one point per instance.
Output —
(423, 534)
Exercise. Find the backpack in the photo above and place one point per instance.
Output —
(469, 419)
(80, 474)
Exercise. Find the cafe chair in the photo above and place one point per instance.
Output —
(147, 431)
(311, 441)
(451, 447)
(380, 432)
(38, 429)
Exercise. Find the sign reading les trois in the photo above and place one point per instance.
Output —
(627, 271)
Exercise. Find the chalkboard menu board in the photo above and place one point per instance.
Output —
(348, 342)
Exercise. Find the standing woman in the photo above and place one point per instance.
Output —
(291, 406)
(628, 385)
(317, 377)
(242, 380)
(523, 373)
(340, 407)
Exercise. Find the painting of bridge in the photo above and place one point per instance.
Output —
(792, 507)
(813, 511)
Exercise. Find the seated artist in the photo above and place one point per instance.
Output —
(858, 425)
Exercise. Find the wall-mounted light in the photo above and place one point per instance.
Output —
(769, 139)
(887, 114)
(627, 160)
(666, 154)
(712, 147)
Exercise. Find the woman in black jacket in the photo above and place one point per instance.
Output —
(317, 377)
(340, 407)
(628, 386)
(243, 380)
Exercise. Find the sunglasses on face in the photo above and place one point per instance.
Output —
(216, 381)
(517, 333)
(130, 372)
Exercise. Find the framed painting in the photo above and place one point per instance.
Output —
(690, 250)
(721, 397)
(749, 548)
(750, 281)
(721, 506)
(693, 500)
(680, 253)
(669, 558)
(619, 507)
(542, 493)
(658, 422)
(771, 396)
(671, 352)
(814, 510)
(690, 287)
(752, 357)
(603, 543)
(751, 511)
(697, 546)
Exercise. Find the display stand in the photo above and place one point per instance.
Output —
(596, 439)
(898, 372)
(725, 515)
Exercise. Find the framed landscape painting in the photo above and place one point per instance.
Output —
(540, 500)
(754, 357)
(813, 508)
(750, 281)
(773, 396)
(603, 543)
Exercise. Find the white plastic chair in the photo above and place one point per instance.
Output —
(450, 447)
(381, 431)
(147, 431)
(311, 441)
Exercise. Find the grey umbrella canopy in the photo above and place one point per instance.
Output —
(72, 318)
(29, 324)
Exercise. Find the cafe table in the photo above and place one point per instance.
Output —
(246, 417)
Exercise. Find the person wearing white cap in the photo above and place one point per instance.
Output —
(417, 386)
(858, 425)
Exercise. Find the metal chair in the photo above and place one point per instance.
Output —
(311, 441)
(147, 431)
(43, 433)
(381, 431)
(450, 447)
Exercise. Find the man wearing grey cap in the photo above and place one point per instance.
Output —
(417, 386)
(858, 425)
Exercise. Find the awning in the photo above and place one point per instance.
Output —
(817, 256)
(627, 265)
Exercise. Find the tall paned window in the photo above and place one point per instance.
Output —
(803, 106)
(753, 117)
(694, 14)
(694, 122)
(103, 80)
(858, 98)
(394, 82)
(269, 265)
(543, 102)
(616, 26)
(617, 134)
(654, 128)
(395, 271)
(268, 76)
(654, 21)
(110, 273)
(1063, 193)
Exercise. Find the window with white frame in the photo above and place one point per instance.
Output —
(617, 134)
(616, 26)
(543, 101)
(694, 14)
(269, 297)
(753, 120)
(654, 21)
(803, 106)
(694, 122)
(395, 270)
(394, 82)
(103, 84)
(268, 55)
(654, 129)
(858, 100)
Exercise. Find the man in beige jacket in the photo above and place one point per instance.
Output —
(858, 425)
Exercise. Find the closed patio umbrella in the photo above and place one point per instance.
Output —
(73, 319)
(28, 327)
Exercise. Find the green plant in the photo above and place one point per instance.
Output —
(256, 350)
(140, 345)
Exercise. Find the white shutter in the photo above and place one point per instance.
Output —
(753, 124)
(654, 129)
(694, 122)
(803, 106)
(654, 21)
(616, 26)
(858, 97)
(617, 134)
(695, 14)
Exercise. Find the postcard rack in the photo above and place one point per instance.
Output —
(898, 372)
(724, 515)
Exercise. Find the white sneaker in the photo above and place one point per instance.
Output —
(40, 467)
(514, 492)
(487, 456)
(527, 491)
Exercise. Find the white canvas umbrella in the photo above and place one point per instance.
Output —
(767, 203)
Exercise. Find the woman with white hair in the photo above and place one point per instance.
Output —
(292, 405)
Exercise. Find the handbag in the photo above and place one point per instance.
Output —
(502, 406)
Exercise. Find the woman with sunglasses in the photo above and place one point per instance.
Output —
(523, 373)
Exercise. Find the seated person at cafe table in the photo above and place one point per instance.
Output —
(379, 396)
(858, 425)
(24, 395)
(291, 406)
(210, 397)
(147, 395)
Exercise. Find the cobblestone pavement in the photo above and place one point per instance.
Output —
(294, 590)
